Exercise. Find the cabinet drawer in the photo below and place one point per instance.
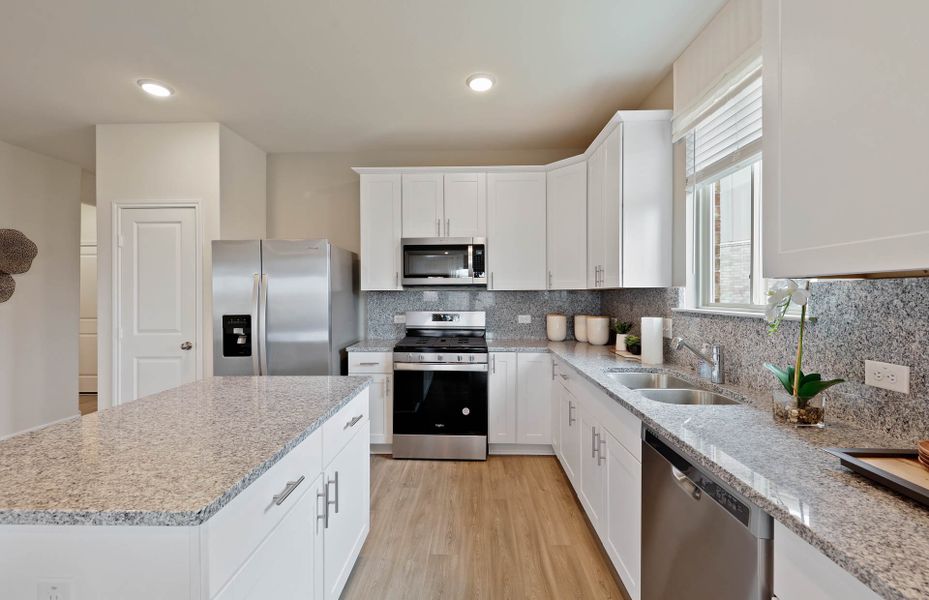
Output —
(340, 428)
(370, 362)
(238, 529)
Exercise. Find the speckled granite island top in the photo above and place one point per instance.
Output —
(878, 536)
(173, 458)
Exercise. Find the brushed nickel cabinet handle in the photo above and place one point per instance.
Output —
(448, 228)
(288, 490)
(571, 419)
(324, 517)
(353, 422)
(368, 364)
(438, 227)
(335, 502)
(600, 458)
(593, 440)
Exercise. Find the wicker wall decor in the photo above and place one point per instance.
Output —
(16, 255)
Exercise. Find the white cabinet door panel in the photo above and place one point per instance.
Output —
(570, 425)
(533, 398)
(465, 205)
(422, 205)
(623, 513)
(567, 227)
(516, 231)
(380, 232)
(611, 272)
(595, 217)
(381, 407)
(592, 476)
(845, 128)
(501, 398)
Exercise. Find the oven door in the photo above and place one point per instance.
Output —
(439, 261)
(433, 399)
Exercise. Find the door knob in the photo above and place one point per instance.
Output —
(186, 346)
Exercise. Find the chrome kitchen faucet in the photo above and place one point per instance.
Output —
(711, 364)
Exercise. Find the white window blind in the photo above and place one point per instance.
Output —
(726, 136)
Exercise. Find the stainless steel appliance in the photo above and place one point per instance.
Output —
(700, 540)
(444, 261)
(283, 307)
(440, 387)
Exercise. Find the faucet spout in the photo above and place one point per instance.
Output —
(711, 366)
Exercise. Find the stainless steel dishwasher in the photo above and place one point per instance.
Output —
(700, 540)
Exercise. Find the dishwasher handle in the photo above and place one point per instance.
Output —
(684, 482)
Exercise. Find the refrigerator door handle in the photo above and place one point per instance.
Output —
(263, 324)
(256, 347)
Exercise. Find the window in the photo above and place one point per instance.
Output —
(724, 171)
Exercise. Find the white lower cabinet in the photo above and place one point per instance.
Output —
(623, 530)
(380, 367)
(570, 431)
(286, 564)
(801, 572)
(501, 398)
(347, 521)
(592, 472)
(600, 455)
(533, 398)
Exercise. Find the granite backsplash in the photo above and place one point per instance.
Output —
(885, 320)
(502, 309)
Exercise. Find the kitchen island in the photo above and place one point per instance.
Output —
(222, 488)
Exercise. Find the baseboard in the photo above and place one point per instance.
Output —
(381, 448)
(521, 449)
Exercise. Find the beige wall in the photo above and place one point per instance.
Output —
(315, 195)
(243, 169)
(40, 196)
(661, 96)
(145, 164)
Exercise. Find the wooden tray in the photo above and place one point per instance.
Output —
(627, 355)
(900, 470)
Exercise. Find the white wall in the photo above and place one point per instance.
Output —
(40, 196)
(153, 163)
(243, 169)
(662, 95)
(315, 195)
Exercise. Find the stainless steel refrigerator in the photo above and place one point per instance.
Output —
(283, 307)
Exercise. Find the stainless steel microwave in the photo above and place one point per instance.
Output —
(444, 261)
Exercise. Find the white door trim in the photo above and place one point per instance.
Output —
(116, 316)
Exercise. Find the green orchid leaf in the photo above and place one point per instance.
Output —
(785, 377)
(811, 388)
(809, 377)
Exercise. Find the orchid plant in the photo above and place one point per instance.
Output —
(803, 387)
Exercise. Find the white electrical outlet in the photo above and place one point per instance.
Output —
(887, 376)
(667, 331)
(400, 318)
(524, 319)
(54, 590)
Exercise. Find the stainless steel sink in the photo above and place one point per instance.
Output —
(690, 396)
(641, 381)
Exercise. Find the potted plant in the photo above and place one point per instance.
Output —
(622, 328)
(634, 344)
(800, 403)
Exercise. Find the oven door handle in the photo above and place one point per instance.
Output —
(477, 368)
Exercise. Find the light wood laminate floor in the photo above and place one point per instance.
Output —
(509, 527)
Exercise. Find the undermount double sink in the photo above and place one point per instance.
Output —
(666, 388)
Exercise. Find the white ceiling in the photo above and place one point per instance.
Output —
(336, 75)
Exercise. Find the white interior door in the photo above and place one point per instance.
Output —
(157, 300)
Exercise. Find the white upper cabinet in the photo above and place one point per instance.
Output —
(567, 227)
(516, 231)
(845, 126)
(465, 205)
(629, 195)
(423, 201)
(380, 231)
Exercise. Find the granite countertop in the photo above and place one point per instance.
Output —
(876, 535)
(173, 458)
(374, 345)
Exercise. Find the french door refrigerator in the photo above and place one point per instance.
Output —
(283, 307)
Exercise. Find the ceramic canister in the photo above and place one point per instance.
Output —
(556, 326)
(580, 328)
(598, 330)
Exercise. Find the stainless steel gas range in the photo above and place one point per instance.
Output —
(440, 387)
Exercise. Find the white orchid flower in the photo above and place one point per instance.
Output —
(800, 297)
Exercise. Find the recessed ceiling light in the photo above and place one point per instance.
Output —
(481, 82)
(155, 88)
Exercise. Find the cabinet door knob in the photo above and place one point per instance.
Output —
(186, 346)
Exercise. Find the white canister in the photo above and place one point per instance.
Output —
(652, 340)
(598, 330)
(556, 326)
(580, 328)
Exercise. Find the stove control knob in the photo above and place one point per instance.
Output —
(471, 358)
(422, 358)
(438, 358)
(460, 359)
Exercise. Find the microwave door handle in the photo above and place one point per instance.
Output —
(471, 262)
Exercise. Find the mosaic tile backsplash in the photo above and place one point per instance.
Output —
(502, 309)
(885, 320)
